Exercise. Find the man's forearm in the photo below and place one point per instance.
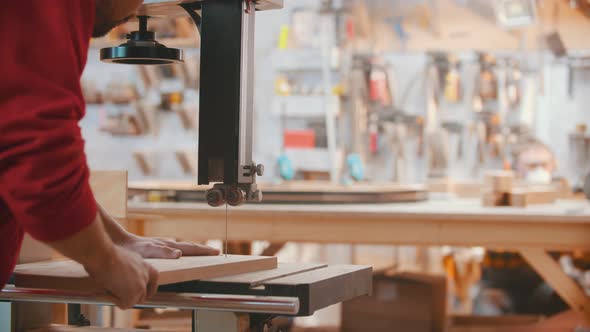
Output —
(91, 247)
(115, 231)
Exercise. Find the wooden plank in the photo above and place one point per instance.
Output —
(499, 181)
(554, 275)
(110, 191)
(492, 198)
(69, 275)
(523, 198)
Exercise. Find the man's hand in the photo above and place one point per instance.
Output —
(119, 272)
(164, 248)
(125, 276)
(151, 247)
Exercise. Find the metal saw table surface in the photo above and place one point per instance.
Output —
(314, 286)
(317, 286)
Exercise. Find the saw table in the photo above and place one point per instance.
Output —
(244, 302)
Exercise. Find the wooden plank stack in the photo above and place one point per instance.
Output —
(501, 190)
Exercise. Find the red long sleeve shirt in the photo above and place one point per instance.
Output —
(44, 188)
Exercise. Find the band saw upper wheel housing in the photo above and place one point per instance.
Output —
(142, 49)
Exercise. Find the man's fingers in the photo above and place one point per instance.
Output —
(152, 286)
(158, 251)
(141, 296)
(192, 249)
(119, 302)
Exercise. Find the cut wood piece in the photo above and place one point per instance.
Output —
(522, 198)
(442, 185)
(468, 189)
(110, 191)
(499, 181)
(494, 199)
(69, 275)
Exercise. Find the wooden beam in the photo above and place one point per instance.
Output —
(554, 275)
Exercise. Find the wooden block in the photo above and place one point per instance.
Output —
(444, 185)
(467, 189)
(499, 181)
(69, 275)
(523, 198)
(494, 199)
(110, 191)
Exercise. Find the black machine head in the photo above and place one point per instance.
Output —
(141, 49)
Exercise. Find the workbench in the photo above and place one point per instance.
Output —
(531, 231)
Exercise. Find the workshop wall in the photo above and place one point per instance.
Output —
(558, 109)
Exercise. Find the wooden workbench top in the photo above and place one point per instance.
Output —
(576, 211)
(298, 186)
(564, 225)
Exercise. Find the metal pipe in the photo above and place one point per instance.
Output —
(216, 302)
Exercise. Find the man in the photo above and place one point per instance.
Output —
(509, 284)
(534, 161)
(44, 188)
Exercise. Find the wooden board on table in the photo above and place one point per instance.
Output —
(300, 192)
(499, 181)
(110, 191)
(523, 198)
(69, 275)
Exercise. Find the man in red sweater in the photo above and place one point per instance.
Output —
(44, 188)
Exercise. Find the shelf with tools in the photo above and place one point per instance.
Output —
(309, 97)
(306, 106)
(309, 101)
(306, 59)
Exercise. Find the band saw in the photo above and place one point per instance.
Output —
(242, 302)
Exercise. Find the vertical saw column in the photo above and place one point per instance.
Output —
(226, 102)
